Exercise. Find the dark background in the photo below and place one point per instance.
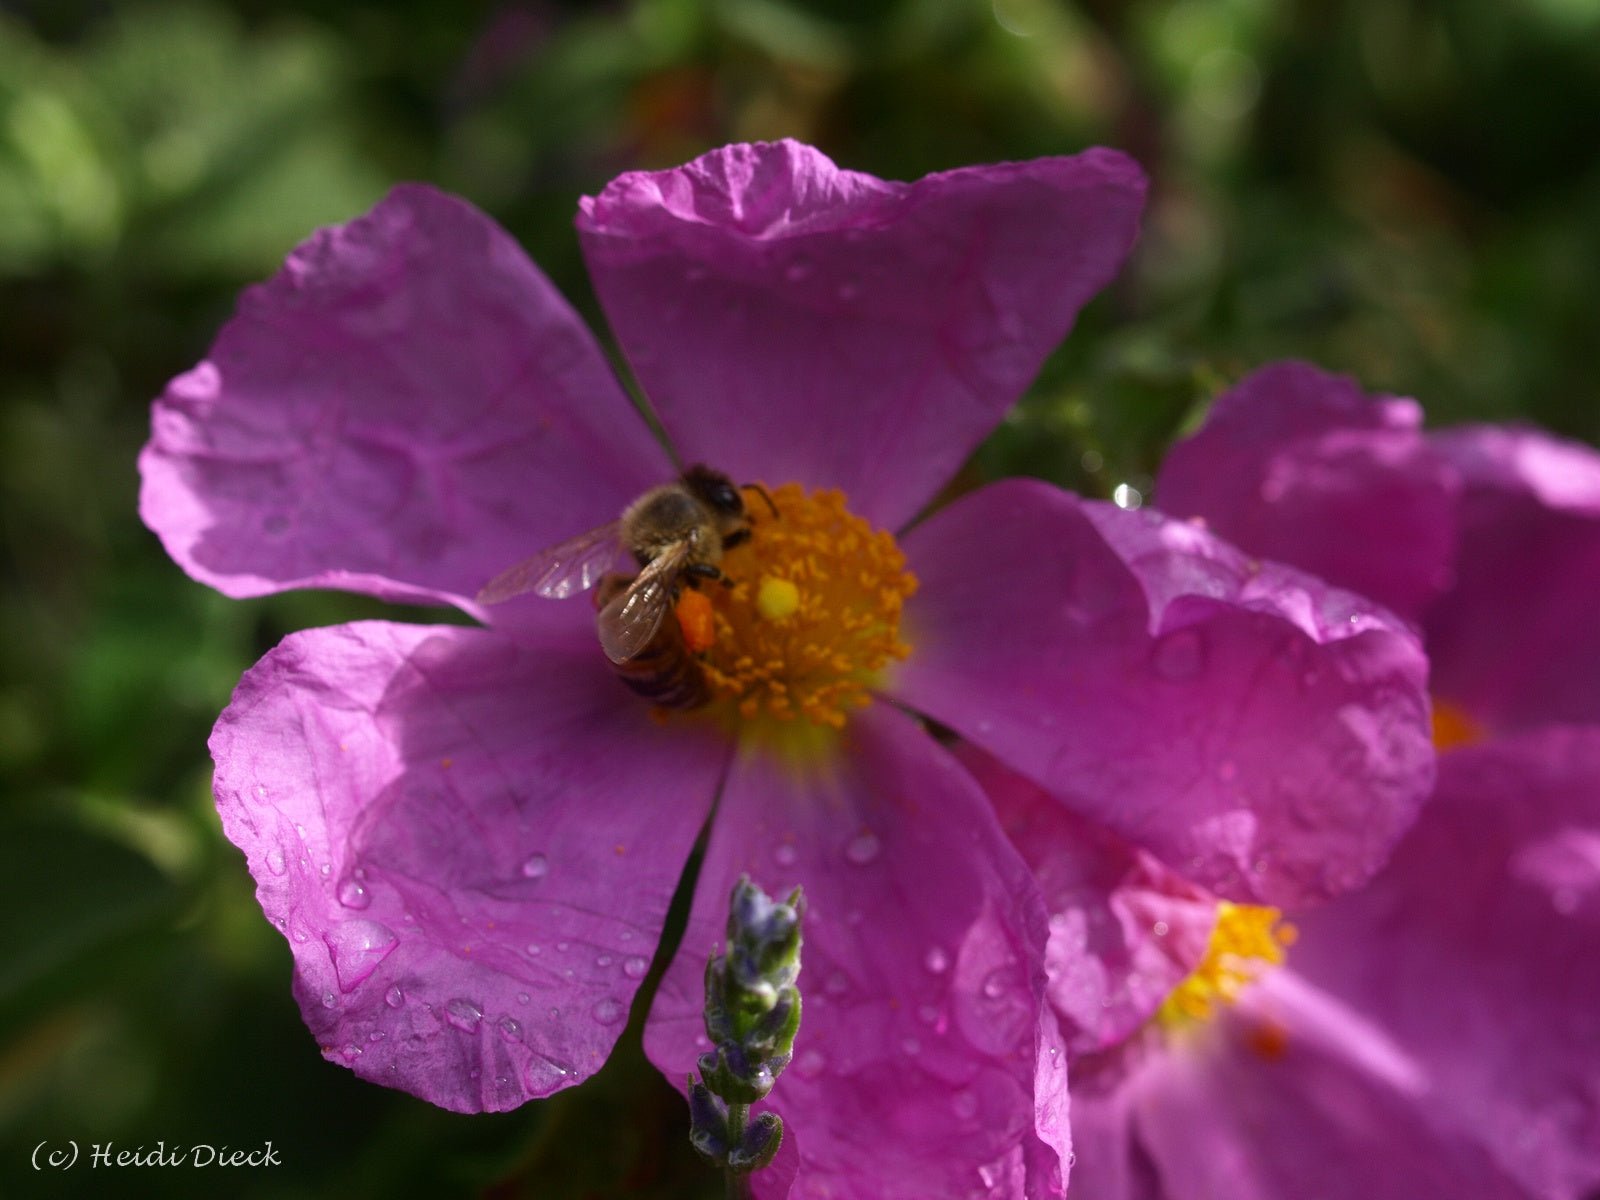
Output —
(1406, 191)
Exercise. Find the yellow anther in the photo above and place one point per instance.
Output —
(1246, 941)
(813, 615)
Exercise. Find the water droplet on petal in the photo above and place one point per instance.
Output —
(608, 1011)
(377, 1035)
(329, 1000)
(603, 960)
(394, 997)
(1179, 656)
(634, 966)
(522, 997)
(563, 946)
(535, 866)
(936, 960)
(275, 862)
(965, 1105)
(799, 270)
(994, 984)
(927, 1014)
(863, 848)
(510, 1029)
(534, 950)
(1159, 929)
(351, 1053)
(357, 947)
(353, 894)
(463, 1014)
(910, 1047)
(326, 869)
(785, 855)
(810, 1063)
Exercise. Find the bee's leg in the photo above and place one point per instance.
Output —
(737, 538)
(611, 583)
(706, 571)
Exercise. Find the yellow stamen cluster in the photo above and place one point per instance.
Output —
(813, 615)
(1246, 941)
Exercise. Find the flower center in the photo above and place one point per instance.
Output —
(1246, 941)
(813, 615)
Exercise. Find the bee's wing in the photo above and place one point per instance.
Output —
(559, 571)
(631, 619)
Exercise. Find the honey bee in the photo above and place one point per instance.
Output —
(677, 534)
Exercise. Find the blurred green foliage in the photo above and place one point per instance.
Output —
(1403, 190)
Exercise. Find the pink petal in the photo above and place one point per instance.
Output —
(1476, 949)
(1260, 732)
(1299, 465)
(469, 846)
(407, 408)
(1124, 930)
(926, 1063)
(1516, 642)
(793, 321)
(1330, 1111)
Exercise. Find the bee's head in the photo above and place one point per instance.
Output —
(715, 490)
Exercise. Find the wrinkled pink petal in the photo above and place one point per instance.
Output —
(1299, 465)
(1517, 640)
(793, 321)
(1260, 732)
(407, 408)
(471, 878)
(926, 1063)
(1124, 929)
(1477, 949)
(1286, 1096)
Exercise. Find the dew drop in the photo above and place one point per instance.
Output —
(910, 1047)
(1179, 656)
(608, 1011)
(299, 935)
(535, 866)
(927, 1014)
(394, 997)
(798, 271)
(353, 894)
(510, 1029)
(634, 966)
(377, 1035)
(863, 848)
(356, 948)
(463, 1014)
(1125, 495)
(994, 984)
(1227, 770)
(275, 862)
(936, 960)
(563, 946)
(965, 1105)
(522, 997)
(534, 949)
(603, 960)
(326, 869)
(329, 1000)
(785, 855)
(351, 1053)
(1159, 929)
(810, 1063)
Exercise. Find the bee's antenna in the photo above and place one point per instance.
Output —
(756, 487)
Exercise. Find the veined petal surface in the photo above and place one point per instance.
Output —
(791, 320)
(470, 876)
(406, 408)
(1265, 735)
(927, 1063)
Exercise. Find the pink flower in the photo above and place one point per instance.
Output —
(469, 836)
(1434, 1033)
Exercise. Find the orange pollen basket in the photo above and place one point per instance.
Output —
(813, 616)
